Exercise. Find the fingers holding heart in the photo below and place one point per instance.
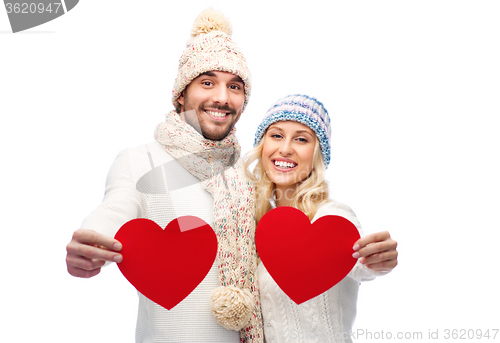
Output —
(381, 261)
(377, 251)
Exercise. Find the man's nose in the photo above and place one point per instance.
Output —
(220, 95)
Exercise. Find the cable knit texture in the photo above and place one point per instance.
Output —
(220, 169)
(327, 318)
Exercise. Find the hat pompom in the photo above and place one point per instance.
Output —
(232, 306)
(211, 20)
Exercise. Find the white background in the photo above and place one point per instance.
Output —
(413, 91)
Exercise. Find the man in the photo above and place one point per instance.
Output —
(196, 142)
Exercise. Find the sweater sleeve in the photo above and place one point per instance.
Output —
(359, 272)
(122, 201)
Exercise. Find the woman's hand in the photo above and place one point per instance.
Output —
(377, 251)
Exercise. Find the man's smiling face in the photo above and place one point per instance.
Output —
(212, 103)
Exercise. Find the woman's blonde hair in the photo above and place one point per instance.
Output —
(309, 195)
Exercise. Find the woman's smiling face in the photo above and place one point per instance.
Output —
(287, 153)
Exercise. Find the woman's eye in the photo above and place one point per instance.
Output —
(302, 140)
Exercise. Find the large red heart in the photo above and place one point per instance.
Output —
(166, 265)
(305, 259)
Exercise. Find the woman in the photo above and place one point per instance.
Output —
(292, 152)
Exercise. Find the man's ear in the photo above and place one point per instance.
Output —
(180, 99)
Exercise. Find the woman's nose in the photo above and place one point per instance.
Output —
(286, 148)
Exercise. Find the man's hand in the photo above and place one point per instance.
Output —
(377, 251)
(88, 251)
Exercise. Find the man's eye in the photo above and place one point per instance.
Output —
(235, 87)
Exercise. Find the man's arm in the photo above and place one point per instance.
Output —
(93, 244)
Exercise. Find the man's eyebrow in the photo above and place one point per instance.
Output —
(236, 78)
(208, 73)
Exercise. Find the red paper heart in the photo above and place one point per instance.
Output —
(167, 265)
(305, 259)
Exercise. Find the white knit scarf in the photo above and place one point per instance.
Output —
(219, 167)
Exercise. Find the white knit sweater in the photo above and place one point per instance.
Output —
(133, 191)
(329, 317)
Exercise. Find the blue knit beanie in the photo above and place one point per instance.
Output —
(305, 110)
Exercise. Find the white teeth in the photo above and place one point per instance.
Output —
(217, 114)
(282, 164)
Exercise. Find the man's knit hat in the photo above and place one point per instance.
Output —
(210, 49)
(305, 110)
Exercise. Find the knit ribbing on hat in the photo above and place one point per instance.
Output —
(212, 49)
(305, 110)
